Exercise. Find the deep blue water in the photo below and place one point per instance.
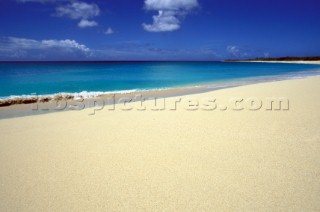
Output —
(51, 78)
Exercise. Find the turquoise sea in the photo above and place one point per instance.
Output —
(93, 78)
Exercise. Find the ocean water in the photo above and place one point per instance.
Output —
(93, 78)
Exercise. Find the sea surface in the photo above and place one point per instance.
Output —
(89, 79)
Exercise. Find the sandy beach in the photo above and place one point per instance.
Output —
(188, 159)
(296, 62)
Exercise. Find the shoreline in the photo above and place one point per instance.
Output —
(46, 107)
(275, 61)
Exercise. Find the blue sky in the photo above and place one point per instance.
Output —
(158, 29)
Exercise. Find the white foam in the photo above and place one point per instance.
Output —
(78, 95)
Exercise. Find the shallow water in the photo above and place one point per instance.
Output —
(90, 79)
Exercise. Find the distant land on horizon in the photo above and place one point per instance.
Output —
(288, 58)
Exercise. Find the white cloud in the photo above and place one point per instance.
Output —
(170, 4)
(73, 9)
(43, 1)
(169, 15)
(66, 44)
(109, 31)
(85, 23)
(40, 1)
(23, 43)
(12, 47)
(237, 52)
(79, 10)
(234, 50)
(164, 21)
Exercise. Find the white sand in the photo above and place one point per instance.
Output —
(297, 62)
(168, 160)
